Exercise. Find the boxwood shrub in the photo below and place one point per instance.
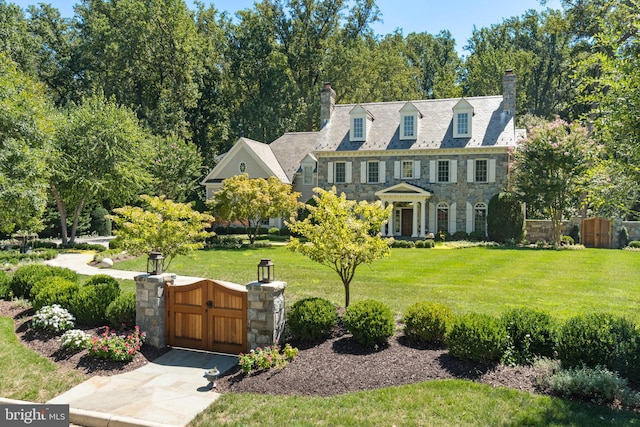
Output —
(532, 334)
(426, 322)
(26, 276)
(477, 337)
(55, 290)
(311, 319)
(597, 339)
(5, 286)
(370, 322)
(122, 311)
(92, 300)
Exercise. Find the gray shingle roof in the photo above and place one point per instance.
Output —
(291, 148)
(264, 152)
(491, 127)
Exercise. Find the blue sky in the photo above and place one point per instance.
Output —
(431, 16)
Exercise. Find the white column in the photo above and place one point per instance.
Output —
(423, 218)
(415, 220)
(383, 227)
(390, 225)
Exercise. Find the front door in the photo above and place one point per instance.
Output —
(207, 315)
(407, 222)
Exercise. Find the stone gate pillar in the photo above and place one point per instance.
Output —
(265, 317)
(150, 306)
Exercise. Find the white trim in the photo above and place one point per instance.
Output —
(433, 169)
(453, 170)
(470, 170)
(348, 173)
(452, 218)
(382, 172)
(492, 170)
(330, 172)
(363, 172)
(396, 169)
(416, 169)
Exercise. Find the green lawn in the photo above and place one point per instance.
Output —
(435, 403)
(484, 280)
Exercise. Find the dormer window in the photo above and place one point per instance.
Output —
(462, 119)
(409, 116)
(360, 123)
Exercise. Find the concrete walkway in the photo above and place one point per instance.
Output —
(169, 391)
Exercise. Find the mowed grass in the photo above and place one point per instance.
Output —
(435, 403)
(486, 280)
(27, 375)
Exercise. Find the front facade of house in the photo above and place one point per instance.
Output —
(438, 162)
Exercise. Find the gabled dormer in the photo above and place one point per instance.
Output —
(409, 116)
(462, 119)
(360, 123)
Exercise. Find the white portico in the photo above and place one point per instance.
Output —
(409, 215)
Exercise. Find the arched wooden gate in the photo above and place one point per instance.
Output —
(596, 233)
(207, 315)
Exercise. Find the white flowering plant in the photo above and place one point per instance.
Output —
(75, 340)
(53, 318)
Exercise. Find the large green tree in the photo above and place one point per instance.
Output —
(550, 168)
(341, 234)
(26, 129)
(251, 201)
(102, 154)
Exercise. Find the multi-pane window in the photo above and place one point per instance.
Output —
(373, 172)
(443, 170)
(481, 171)
(480, 218)
(443, 217)
(463, 123)
(407, 169)
(409, 126)
(340, 172)
(307, 175)
(358, 127)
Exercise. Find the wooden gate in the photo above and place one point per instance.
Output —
(596, 233)
(207, 315)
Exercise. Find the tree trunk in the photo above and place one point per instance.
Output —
(76, 218)
(62, 211)
(346, 294)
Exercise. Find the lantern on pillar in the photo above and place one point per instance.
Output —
(155, 263)
(265, 271)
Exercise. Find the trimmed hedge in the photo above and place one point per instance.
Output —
(312, 319)
(91, 302)
(426, 322)
(370, 322)
(532, 334)
(121, 313)
(26, 276)
(55, 290)
(477, 337)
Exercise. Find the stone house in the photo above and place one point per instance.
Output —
(437, 161)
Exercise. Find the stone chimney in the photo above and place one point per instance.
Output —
(327, 104)
(509, 92)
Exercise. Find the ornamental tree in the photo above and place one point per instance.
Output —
(163, 225)
(251, 201)
(550, 168)
(341, 234)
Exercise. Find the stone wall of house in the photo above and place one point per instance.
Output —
(459, 192)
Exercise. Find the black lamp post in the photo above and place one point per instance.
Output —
(155, 263)
(265, 271)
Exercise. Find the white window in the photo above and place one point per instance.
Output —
(480, 218)
(442, 218)
(462, 117)
(373, 172)
(481, 171)
(340, 173)
(443, 171)
(358, 128)
(409, 126)
(463, 124)
(307, 175)
(407, 169)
